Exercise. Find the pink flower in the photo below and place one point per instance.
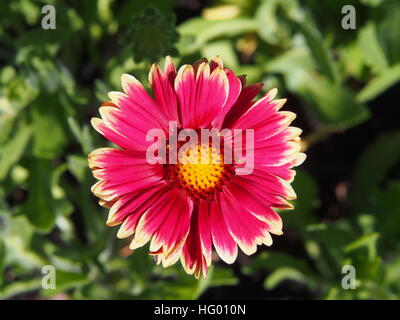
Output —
(184, 209)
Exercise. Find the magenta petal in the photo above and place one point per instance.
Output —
(201, 96)
(247, 230)
(138, 103)
(256, 201)
(193, 260)
(205, 230)
(164, 93)
(112, 135)
(167, 222)
(235, 88)
(276, 155)
(172, 232)
(184, 211)
(134, 203)
(224, 244)
(261, 112)
(115, 158)
(242, 104)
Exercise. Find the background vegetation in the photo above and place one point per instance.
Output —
(343, 84)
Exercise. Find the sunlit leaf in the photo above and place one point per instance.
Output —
(333, 104)
(11, 152)
(282, 274)
(320, 52)
(371, 48)
(202, 31)
(49, 136)
(379, 84)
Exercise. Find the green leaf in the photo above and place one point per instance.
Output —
(379, 84)
(271, 16)
(39, 207)
(298, 58)
(203, 284)
(372, 50)
(372, 3)
(382, 216)
(388, 31)
(368, 241)
(49, 136)
(223, 276)
(105, 10)
(282, 274)
(334, 235)
(16, 237)
(15, 288)
(253, 73)
(334, 105)
(392, 272)
(215, 48)
(13, 150)
(78, 166)
(82, 135)
(66, 280)
(372, 167)
(351, 57)
(151, 35)
(201, 31)
(82, 198)
(319, 51)
(2, 260)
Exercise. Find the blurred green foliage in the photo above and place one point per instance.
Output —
(52, 81)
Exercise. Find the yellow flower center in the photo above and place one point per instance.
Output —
(201, 170)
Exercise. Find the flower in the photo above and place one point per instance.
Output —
(185, 209)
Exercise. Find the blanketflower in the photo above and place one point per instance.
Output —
(187, 209)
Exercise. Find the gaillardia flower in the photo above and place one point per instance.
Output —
(182, 206)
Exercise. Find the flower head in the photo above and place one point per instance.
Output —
(187, 195)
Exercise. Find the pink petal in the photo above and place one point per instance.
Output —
(270, 194)
(173, 231)
(170, 70)
(261, 112)
(164, 93)
(111, 134)
(134, 203)
(247, 230)
(121, 172)
(137, 102)
(215, 63)
(278, 154)
(242, 104)
(201, 96)
(115, 158)
(193, 260)
(131, 207)
(131, 125)
(256, 201)
(159, 213)
(205, 230)
(224, 244)
(235, 88)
